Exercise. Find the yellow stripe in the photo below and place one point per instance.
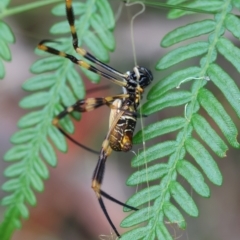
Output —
(73, 29)
(42, 47)
(68, 3)
(84, 64)
(81, 51)
(62, 54)
(55, 121)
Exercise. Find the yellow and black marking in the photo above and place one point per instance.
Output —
(81, 51)
(123, 107)
(81, 63)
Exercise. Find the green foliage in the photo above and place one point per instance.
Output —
(35, 141)
(187, 145)
(6, 38)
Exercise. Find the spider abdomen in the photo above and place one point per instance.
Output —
(121, 136)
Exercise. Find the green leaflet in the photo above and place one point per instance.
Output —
(30, 119)
(219, 115)
(40, 168)
(204, 159)
(226, 84)
(137, 217)
(236, 3)
(232, 23)
(17, 223)
(174, 2)
(60, 28)
(179, 154)
(206, 60)
(97, 47)
(150, 236)
(194, 177)
(36, 181)
(167, 100)
(105, 36)
(5, 53)
(148, 174)
(6, 37)
(67, 97)
(76, 83)
(143, 196)
(67, 124)
(172, 81)
(2, 70)
(76, 115)
(181, 54)
(184, 200)
(15, 169)
(48, 153)
(39, 82)
(5, 3)
(137, 233)
(159, 128)
(11, 185)
(162, 232)
(208, 135)
(16, 152)
(157, 151)
(30, 197)
(106, 14)
(35, 100)
(188, 31)
(57, 138)
(10, 199)
(230, 52)
(23, 210)
(173, 215)
(60, 9)
(23, 136)
(47, 64)
(211, 6)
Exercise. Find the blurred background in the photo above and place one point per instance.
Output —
(68, 208)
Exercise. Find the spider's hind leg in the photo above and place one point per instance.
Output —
(97, 182)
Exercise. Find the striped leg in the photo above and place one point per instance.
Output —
(81, 63)
(81, 51)
(86, 105)
(97, 182)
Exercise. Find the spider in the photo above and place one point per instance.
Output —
(123, 115)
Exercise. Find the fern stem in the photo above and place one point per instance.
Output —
(26, 7)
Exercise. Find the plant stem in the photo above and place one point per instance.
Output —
(26, 7)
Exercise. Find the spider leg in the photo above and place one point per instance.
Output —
(89, 104)
(85, 105)
(97, 182)
(81, 63)
(81, 51)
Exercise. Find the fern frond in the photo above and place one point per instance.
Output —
(187, 145)
(213, 6)
(6, 38)
(34, 143)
